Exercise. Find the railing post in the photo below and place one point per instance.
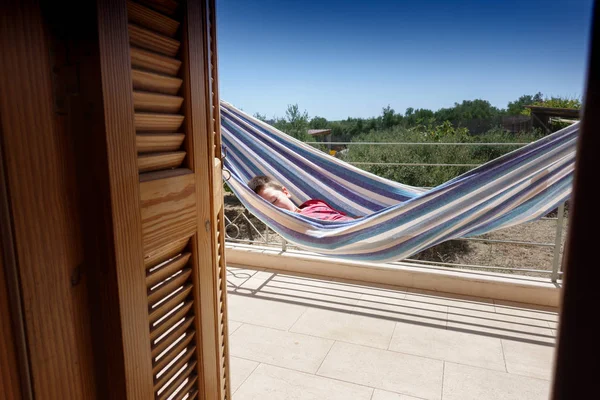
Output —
(558, 242)
(283, 245)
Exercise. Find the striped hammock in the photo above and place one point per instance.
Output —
(398, 220)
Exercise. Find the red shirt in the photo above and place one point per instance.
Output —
(320, 210)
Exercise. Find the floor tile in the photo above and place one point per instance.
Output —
(527, 310)
(528, 359)
(502, 326)
(451, 300)
(382, 290)
(257, 281)
(310, 292)
(345, 327)
(383, 395)
(285, 349)
(463, 382)
(233, 325)
(381, 369)
(237, 276)
(402, 310)
(273, 314)
(273, 383)
(240, 371)
(448, 345)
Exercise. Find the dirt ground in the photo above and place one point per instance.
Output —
(456, 252)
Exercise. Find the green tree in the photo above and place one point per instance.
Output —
(468, 110)
(420, 116)
(260, 116)
(297, 122)
(517, 107)
(318, 123)
(388, 117)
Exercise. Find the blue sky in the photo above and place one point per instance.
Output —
(338, 59)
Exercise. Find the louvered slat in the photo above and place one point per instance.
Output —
(193, 395)
(173, 337)
(165, 252)
(188, 388)
(165, 360)
(146, 39)
(165, 376)
(167, 270)
(176, 384)
(168, 323)
(168, 7)
(164, 308)
(163, 103)
(156, 161)
(186, 372)
(148, 60)
(158, 122)
(157, 142)
(168, 286)
(151, 19)
(152, 82)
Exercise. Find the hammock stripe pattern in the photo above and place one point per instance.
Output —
(397, 220)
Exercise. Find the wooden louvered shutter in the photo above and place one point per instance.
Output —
(110, 135)
(168, 134)
(177, 138)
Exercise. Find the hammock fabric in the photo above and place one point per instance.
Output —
(398, 220)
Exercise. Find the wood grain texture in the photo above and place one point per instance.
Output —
(168, 7)
(173, 336)
(172, 387)
(218, 202)
(154, 142)
(165, 252)
(164, 378)
(146, 39)
(162, 103)
(173, 354)
(120, 302)
(151, 82)
(188, 388)
(200, 147)
(147, 60)
(146, 122)
(168, 208)
(15, 376)
(151, 19)
(10, 381)
(164, 271)
(43, 196)
(157, 161)
(161, 310)
(168, 286)
(173, 319)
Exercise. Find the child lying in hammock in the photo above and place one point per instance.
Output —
(272, 191)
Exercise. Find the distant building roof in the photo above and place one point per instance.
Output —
(319, 132)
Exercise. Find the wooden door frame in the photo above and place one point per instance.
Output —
(578, 346)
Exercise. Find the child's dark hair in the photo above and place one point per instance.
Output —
(260, 182)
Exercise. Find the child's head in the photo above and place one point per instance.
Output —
(272, 191)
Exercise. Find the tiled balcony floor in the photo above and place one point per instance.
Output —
(294, 337)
